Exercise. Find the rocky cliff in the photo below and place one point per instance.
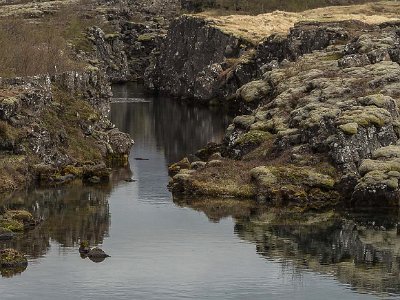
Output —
(323, 128)
(209, 57)
(55, 129)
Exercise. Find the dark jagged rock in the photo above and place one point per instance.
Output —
(189, 64)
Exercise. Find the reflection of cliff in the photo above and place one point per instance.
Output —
(176, 128)
(366, 258)
(360, 250)
(71, 213)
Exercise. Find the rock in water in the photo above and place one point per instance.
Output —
(97, 255)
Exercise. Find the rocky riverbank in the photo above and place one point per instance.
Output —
(55, 129)
(321, 104)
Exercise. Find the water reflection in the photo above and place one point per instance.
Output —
(71, 213)
(177, 128)
(361, 250)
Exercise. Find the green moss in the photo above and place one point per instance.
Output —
(369, 165)
(74, 110)
(392, 151)
(244, 121)
(10, 101)
(253, 91)
(349, 128)
(378, 179)
(76, 171)
(253, 137)
(146, 37)
(333, 56)
(292, 175)
(224, 188)
(366, 116)
(377, 100)
(111, 36)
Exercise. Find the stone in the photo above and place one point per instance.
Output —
(253, 91)
(244, 121)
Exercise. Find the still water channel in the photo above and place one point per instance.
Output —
(163, 250)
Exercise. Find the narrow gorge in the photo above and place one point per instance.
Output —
(189, 149)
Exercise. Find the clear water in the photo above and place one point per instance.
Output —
(160, 250)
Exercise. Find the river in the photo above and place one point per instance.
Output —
(163, 250)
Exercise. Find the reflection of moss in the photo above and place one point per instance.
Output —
(19, 215)
(12, 225)
(216, 209)
(12, 262)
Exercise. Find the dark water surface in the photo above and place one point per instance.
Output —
(161, 250)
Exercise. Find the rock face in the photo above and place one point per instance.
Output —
(189, 64)
(131, 31)
(326, 127)
(198, 60)
(54, 129)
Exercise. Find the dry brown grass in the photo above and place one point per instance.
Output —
(46, 45)
(255, 28)
(28, 49)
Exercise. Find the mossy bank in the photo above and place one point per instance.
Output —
(321, 122)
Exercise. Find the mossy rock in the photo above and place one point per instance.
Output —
(76, 171)
(264, 176)
(349, 128)
(366, 116)
(244, 121)
(388, 152)
(146, 37)
(177, 167)
(112, 36)
(379, 180)
(377, 100)
(253, 137)
(253, 91)
(290, 185)
(369, 165)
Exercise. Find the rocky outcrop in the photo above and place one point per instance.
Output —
(189, 64)
(199, 60)
(121, 44)
(325, 130)
(56, 129)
